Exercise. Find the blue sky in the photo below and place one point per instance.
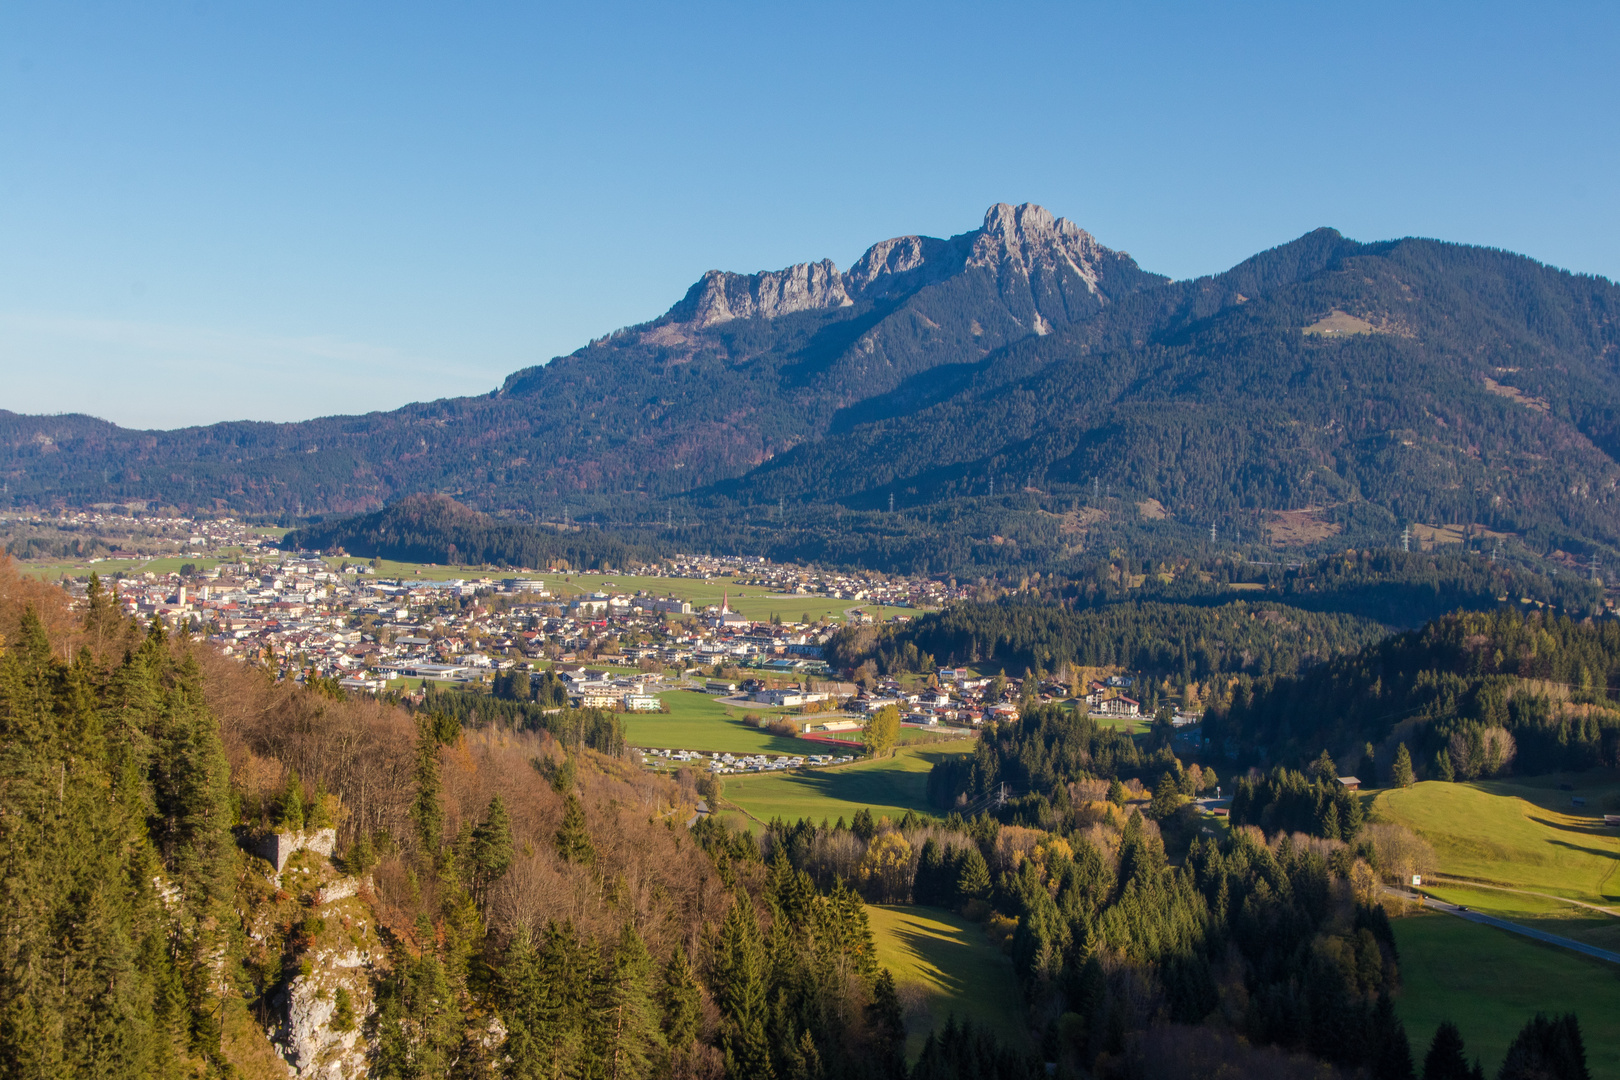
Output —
(278, 211)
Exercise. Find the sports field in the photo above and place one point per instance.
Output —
(699, 722)
(1489, 982)
(943, 965)
(888, 787)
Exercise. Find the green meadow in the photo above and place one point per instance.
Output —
(1489, 982)
(1525, 836)
(944, 964)
(888, 787)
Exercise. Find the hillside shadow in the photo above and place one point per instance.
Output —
(1595, 829)
(860, 785)
(948, 955)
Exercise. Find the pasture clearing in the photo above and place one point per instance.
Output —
(944, 964)
(1522, 835)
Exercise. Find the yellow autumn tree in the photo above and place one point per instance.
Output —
(885, 870)
(882, 732)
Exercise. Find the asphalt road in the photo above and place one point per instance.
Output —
(1511, 927)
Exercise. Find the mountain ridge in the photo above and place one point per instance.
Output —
(1362, 385)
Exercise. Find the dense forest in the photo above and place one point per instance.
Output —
(1179, 641)
(1190, 620)
(1458, 386)
(1469, 695)
(437, 529)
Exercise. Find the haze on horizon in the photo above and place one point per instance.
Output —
(293, 212)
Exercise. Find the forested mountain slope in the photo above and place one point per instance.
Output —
(1358, 387)
(1453, 385)
(1472, 694)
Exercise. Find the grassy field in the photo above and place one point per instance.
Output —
(1520, 835)
(108, 567)
(699, 722)
(1489, 982)
(944, 964)
(750, 600)
(888, 787)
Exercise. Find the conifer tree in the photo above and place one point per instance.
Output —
(1443, 768)
(629, 1013)
(741, 990)
(681, 1001)
(1445, 1059)
(1547, 1049)
(888, 1022)
(491, 848)
(573, 841)
(862, 825)
(290, 806)
(426, 812)
(1400, 774)
(1391, 1054)
(972, 875)
(523, 1000)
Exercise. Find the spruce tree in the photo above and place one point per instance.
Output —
(1400, 774)
(491, 848)
(1324, 769)
(1445, 1059)
(740, 987)
(972, 875)
(1443, 768)
(629, 1012)
(1547, 1049)
(522, 1001)
(681, 1000)
(573, 841)
(426, 812)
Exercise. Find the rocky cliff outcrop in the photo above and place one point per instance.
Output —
(313, 944)
(1026, 240)
(720, 297)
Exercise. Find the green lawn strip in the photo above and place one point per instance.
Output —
(888, 787)
(1514, 835)
(943, 965)
(1489, 982)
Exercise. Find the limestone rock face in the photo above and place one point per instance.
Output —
(1020, 242)
(720, 296)
(906, 262)
(1027, 239)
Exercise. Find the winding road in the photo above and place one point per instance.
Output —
(1511, 927)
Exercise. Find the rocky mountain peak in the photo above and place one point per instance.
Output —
(1026, 240)
(1029, 239)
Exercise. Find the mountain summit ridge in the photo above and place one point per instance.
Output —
(1027, 239)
